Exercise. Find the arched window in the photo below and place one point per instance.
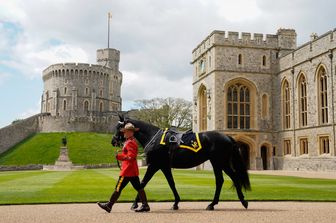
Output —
(86, 106)
(65, 90)
(101, 106)
(323, 95)
(264, 60)
(264, 111)
(202, 66)
(303, 100)
(240, 59)
(202, 108)
(86, 91)
(64, 105)
(286, 105)
(238, 105)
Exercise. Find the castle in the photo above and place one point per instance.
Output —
(274, 98)
(76, 97)
(82, 97)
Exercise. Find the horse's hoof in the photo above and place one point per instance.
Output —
(245, 204)
(210, 208)
(175, 207)
(134, 206)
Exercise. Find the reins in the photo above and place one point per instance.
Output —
(150, 141)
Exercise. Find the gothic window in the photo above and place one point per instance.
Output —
(324, 145)
(65, 91)
(323, 96)
(240, 59)
(64, 105)
(202, 66)
(202, 108)
(264, 60)
(304, 146)
(286, 105)
(303, 100)
(238, 107)
(101, 106)
(86, 106)
(287, 147)
(264, 111)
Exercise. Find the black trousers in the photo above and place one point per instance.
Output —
(123, 181)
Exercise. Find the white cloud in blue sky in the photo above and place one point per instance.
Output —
(155, 38)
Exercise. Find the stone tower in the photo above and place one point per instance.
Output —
(82, 93)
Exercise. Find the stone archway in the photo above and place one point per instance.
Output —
(264, 157)
(244, 150)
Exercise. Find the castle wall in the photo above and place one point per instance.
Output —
(306, 60)
(15, 133)
(100, 123)
(216, 66)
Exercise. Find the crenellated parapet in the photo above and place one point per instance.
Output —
(77, 70)
(284, 39)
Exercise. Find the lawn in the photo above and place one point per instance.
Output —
(28, 187)
(43, 148)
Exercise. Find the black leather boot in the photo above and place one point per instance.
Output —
(108, 206)
(144, 207)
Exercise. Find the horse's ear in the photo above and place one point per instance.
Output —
(121, 117)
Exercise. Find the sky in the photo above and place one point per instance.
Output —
(155, 38)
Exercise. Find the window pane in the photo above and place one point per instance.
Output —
(235, 108)
(235, 122)
(235, 96)
(229, 108)
(229, 121)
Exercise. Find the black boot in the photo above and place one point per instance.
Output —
(144, 207)
(108, 206)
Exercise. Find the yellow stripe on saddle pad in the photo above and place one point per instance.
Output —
(193, 145)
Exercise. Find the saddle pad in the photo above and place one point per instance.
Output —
(189, 141)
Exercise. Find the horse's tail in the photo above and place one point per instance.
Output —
(239, 166)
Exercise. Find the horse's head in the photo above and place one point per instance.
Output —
(118, 137)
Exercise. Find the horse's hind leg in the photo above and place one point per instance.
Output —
(219, 183)
(234, 178)
(169, 176)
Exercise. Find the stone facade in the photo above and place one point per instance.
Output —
(82, 97)
(251, 89)
(15, 133)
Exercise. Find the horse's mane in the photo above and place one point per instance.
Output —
(145, 126)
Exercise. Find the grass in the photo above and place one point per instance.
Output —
(43, 148)
(30, 187)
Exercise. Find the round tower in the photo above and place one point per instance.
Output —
(82, 90)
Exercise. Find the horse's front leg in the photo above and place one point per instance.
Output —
(169, 176)
(151, 170)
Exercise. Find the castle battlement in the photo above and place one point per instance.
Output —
(75, 69)
(285, 38)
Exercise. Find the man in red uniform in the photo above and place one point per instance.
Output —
(129, 171)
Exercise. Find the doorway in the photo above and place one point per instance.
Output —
(264, 157)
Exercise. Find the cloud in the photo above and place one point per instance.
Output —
(155, 38)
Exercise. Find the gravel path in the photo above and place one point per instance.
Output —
(189, 212)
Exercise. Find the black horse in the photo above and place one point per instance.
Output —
(221, 150)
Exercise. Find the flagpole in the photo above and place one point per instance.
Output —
(109, 16)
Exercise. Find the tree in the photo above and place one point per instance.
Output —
(165, 112)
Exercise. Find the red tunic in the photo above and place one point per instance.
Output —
(128, 155)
